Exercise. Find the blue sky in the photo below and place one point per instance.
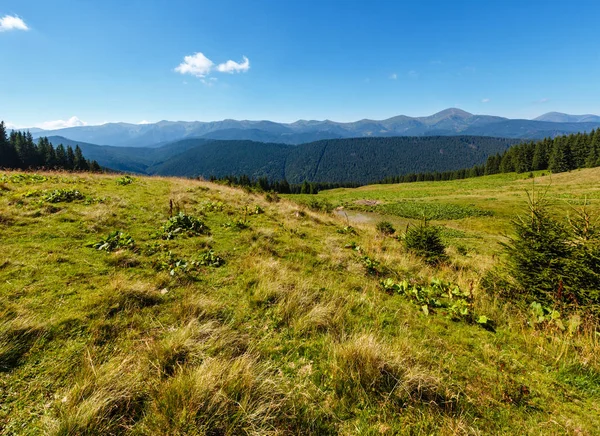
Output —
(104, 61)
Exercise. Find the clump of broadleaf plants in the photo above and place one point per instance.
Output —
(125, 180)
(183, 224)
(555, 262)
(426, 241)
(116, 240)
(442, 296)
(169, 262)
(63, 196)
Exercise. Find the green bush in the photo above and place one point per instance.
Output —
(426, 241)
(385, 228)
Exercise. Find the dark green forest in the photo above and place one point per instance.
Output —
(18, 150)
(334, 161)
(560, 154)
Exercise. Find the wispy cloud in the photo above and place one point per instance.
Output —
(542, 100)
(393, 76)
(10, 22)
(62, 124)
(234, 67)
(200, 66)
(485, 100)
(413, 74)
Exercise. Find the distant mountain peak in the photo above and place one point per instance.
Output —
(451, 112)
(559, 117)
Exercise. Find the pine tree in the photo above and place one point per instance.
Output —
(70, 158)
(8, 155)
(540, 156)
(61, 157)
(560, 158)
(79, 162)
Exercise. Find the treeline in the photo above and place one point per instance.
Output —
(18, 150)
(279, 186)
(560, 154)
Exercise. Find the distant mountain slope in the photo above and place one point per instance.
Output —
(360, 160)
(557, 117)
(130, 159)
(220, 158)
(449, 122)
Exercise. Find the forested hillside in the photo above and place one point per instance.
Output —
(357, 160)
(18, 150)
(560, 154)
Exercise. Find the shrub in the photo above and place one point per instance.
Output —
(184, 224)
(385, 228)
(63, 196)
(425, 241)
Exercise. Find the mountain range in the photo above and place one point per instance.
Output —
(448, 122)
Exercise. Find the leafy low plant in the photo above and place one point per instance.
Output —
(239, 224)
(212, 206)
(426, 241)
(347, 230)
(210, 258)
(439, 295)
(169, 262)
(183, 224)
(385, 228)
(114, 241)
(125, 180)
(63, 196)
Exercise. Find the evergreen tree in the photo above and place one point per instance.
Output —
(61, 157)
(70, 158)
(540, 156)
(79, 162)
(560, 158)
(8, 155)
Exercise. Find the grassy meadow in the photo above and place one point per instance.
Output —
(270, 317)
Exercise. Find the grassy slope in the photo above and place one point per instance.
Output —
(290, 336)
(502, 195)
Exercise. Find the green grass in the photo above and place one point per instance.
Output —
(269, 323)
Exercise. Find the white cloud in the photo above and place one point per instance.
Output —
(9, 22)
(393, 76)
(234, 67)
(200, 66)
(485, 100)
(9, 126)
(144, 122)
(197, 65)
(62, 124)
(543, 100)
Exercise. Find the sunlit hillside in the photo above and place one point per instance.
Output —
(173, 306)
